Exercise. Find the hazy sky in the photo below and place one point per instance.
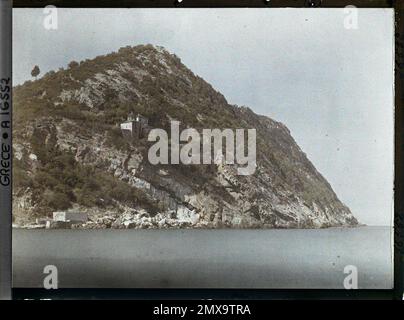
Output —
(332, 87)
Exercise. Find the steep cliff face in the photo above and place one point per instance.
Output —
(70, 153)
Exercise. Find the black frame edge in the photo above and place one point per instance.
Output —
(5, 149)
(202, 3)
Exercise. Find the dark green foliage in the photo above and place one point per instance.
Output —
(116, 139)
(21, 178)
(61, 181)
(56, 200)
(35, 71)
(73, 64)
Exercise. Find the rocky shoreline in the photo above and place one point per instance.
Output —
(135, 219)
(129, 219)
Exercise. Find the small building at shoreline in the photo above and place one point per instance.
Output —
(70, 216)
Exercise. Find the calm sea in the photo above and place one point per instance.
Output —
(204, 258)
